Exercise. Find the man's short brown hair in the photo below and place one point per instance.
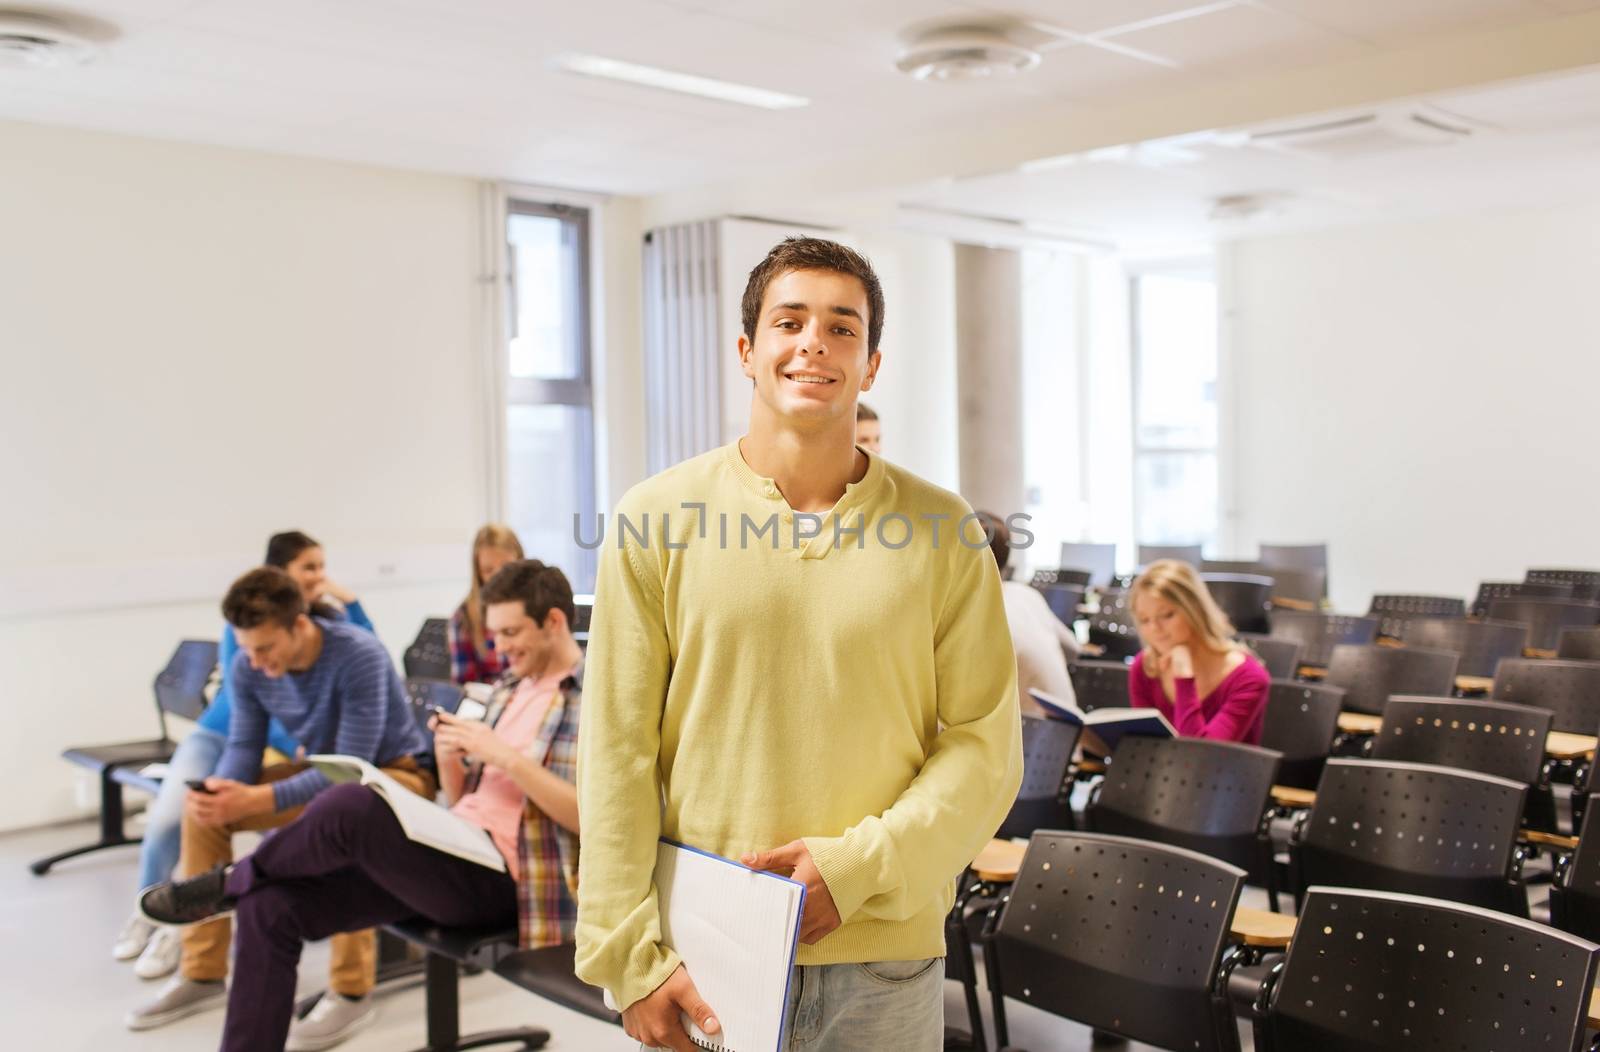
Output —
(539, 588)
(265, 595)
(865, 412)
(812, 253)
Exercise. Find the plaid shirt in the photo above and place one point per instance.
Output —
(470, 662)
(547, 904)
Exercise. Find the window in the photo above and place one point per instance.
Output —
(549, 424)
(1175, 408)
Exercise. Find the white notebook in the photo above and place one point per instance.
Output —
(423, 820)
(737, 931)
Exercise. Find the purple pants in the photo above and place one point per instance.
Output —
(343, 865)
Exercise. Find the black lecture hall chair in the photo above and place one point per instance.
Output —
(1301, 722)
(1569, 689)
(180, 689)
(1184, 553)
(1394, 611)
(1585, 583)
(1122, 935)
(1099, 684)
(1041, 802)
(428, 656)
(1480, 644)
(1062, 599)
(1099, 559)
(1489, 591)
(1546, 618)
(1368, 970)
(1244, 598)
(1579, 644)
(1318, 633)
(1113, 627)
(1370, 674)
(1302, 558)
(1281, 657)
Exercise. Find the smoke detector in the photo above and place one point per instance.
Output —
(953, 53)
(42, 43)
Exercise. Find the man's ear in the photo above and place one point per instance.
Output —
(747, 351)
(874, 359)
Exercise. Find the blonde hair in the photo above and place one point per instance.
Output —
(500, 538)
(1179, 584)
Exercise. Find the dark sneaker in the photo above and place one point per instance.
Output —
(188, 901)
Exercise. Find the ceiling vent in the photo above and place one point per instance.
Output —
(41, 43)
(965, 52)
(1368, 134)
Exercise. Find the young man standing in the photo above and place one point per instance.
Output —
(334, 688)
(802, 664)
(346, 864)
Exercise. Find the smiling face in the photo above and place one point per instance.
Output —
(310, 571)
(1161, 624)
(271, 648)
(809, 356)
(518, 638)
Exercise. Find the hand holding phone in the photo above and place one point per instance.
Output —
(199, 786)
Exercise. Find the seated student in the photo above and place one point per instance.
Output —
(472, 654)
(869, 430)
(196, 756)
(1205, 684)
(346, 863)
(1042, 643)
(334, 689)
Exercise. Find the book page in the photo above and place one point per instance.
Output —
(423, 820)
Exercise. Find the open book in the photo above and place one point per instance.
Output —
(737, 931)
(423, 820)
(1106, 727)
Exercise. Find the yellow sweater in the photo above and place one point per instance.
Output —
(743, 690)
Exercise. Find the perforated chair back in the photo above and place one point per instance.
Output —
(1068, 576)
(1245, 598)
(1099, 559)
(582, 613)
(427, 694)
(1579, 644)
(1113, 626)
(1121, 935)
(428, 656)
(1046, 757)
(1207, 796)
(180, 688)
(1569, 689)
(1575, 894)
(1585, 583)
(1280, 656)
(1319, 633)
(1063, 600)
(1300, 723)
(1369, 971)
(1370, 674)
(1306, 558)
(1413, 828)
(1485, 736)
(1546, 618)
(1394, 611)
(1480, 644)
(1184, 553)
(1489, 591)
(1099, 684)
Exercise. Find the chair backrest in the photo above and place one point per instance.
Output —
(1489, 591)
(1485, 736)
(1099, 684)
(1394, 611)
(1121, 935)
(1245, 598)
(1113, 626)
(1099, 559)
(1046, 757)
(1370, 674)
(1249, 566)
(1300, 723)
(1413, 828)
(1207, 796)
(180, 687)
(1480, 644)
(1280, 656)
(1579, 644)
(1184, 553)
(426, 694)
(1063, 600)
(1065, 576)
(1302, 557)
(582, 613)
(1300, 586)
(1585, 583)
(1569, 689)
(428, 656)
(1318, 633)
(1575, 894)
(1546, 618)
(1368, 970)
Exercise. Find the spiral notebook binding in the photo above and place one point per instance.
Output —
(710, 1045)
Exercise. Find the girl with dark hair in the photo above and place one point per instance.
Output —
(196, 757)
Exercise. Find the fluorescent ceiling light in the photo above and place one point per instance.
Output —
(684, 83)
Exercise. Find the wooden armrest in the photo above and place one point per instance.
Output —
(1289, 796)
(1089, 765)
(1474, 684)
(1539, 836)
(1293, 604)
(1563, 745)
(1594, 1010)
(999, 861)
(1262, 928)
(1390, 642)
(1360, 723)
(1535, 652)
(1312, 672)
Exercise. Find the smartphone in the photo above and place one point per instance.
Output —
(198, 786)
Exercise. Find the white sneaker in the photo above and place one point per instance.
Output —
(179, 998)
(133, 938)
(331, 1020)
(160, 957)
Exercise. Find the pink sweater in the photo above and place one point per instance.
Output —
(1232, 712)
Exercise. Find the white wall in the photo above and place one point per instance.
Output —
(201, 346)
(1420, 395)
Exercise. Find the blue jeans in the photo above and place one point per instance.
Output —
(881, 1005)
(196, 757)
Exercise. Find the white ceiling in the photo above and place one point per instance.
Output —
(465, 86)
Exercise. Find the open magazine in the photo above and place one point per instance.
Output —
(423, 820)
(1104, 728)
